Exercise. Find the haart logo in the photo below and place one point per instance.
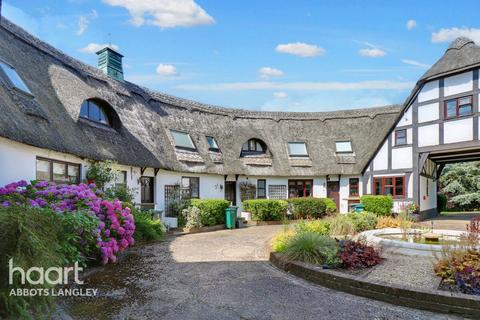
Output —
(52, 275)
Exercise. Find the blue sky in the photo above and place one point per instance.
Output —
(263, 55)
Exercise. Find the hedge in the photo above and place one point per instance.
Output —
(265, 209)
(311, 207)
(441, 202)
(212, 210)
(381, 205)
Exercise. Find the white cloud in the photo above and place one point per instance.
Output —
(280, 95)
(416, 63)
(164, 13)
(307, 86)
(450, 34)
(300, 49)
(267, 72)
(167, 70)
(84, 21)
(372, 52)
(411, 24)
(94, 47)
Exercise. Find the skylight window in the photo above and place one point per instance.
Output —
(297, 149)
(182, 140)
(13, 77)
(212, 144)
(343, 146)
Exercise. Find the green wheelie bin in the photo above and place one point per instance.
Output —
(230, 217)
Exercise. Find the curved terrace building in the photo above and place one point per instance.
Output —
(57, 113)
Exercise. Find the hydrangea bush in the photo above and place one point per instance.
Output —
(115, 223)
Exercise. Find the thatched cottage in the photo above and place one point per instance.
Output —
(57, 113)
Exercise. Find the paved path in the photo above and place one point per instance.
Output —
(450, 221)
(218, 275)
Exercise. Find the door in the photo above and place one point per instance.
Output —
(231, 192)
(147, 192)
(333, 192)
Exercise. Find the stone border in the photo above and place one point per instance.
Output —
(431, 300)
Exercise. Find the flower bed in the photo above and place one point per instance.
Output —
(115, 223)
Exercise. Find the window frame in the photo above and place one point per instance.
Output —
(264, 188)
(194, 148)
(189, 188)
(290, 154)
(383, 186)
(397, 137)
(353, 185)
(10, 81)
(457, 107)
(66, 164)
(101, 111)
(250, 151)
(304, 185)
(343, 141)
(210, 148)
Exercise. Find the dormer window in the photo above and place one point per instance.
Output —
(212, 144)
(297, 149)
(254, 147)
(343, 147)
(183, 140)
(92, 111)
(13, 78)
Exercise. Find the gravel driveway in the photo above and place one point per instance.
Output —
(218, 275)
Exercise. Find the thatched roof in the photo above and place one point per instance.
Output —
(60, 84)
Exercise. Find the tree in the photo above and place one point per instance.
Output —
(460, 182)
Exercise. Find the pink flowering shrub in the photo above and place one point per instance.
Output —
(115, 223)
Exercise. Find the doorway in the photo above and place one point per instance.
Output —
(231, 192)
(333, 192)
(147, 192)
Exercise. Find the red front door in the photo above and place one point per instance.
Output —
(333, 192)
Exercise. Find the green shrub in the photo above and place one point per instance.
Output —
(308, 208)
(363, 221)
(281, 240)
(212, 210)
(312, 248)
(266, 210)
(441, 202)
(381, 205)
(78, 237)
(342, 225)
(121, 192)
(321, 227)
(331, 206)
(30, 237)
(146, 227)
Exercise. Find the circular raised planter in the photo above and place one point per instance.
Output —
(374, 237)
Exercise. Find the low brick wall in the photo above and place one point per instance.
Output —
(431, 300)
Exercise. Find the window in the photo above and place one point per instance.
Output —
(57, 171)
(297, 149)
(254, 146)
(458, 107)
(400, 137)
(13, 77)
(212, 144)
(353, 187)
(343, 146)
(261, 188)
(183, 140)
(394, 186)
(121, 179)
(192, 185)
(92, 111)
(300, 188)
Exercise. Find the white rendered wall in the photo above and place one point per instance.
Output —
(428, 112)
(427, 201)
(406, 118)
(458, 130)
(380, 162)
(428, 135)
(402, 158)
(429, 91)
(459, 83)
